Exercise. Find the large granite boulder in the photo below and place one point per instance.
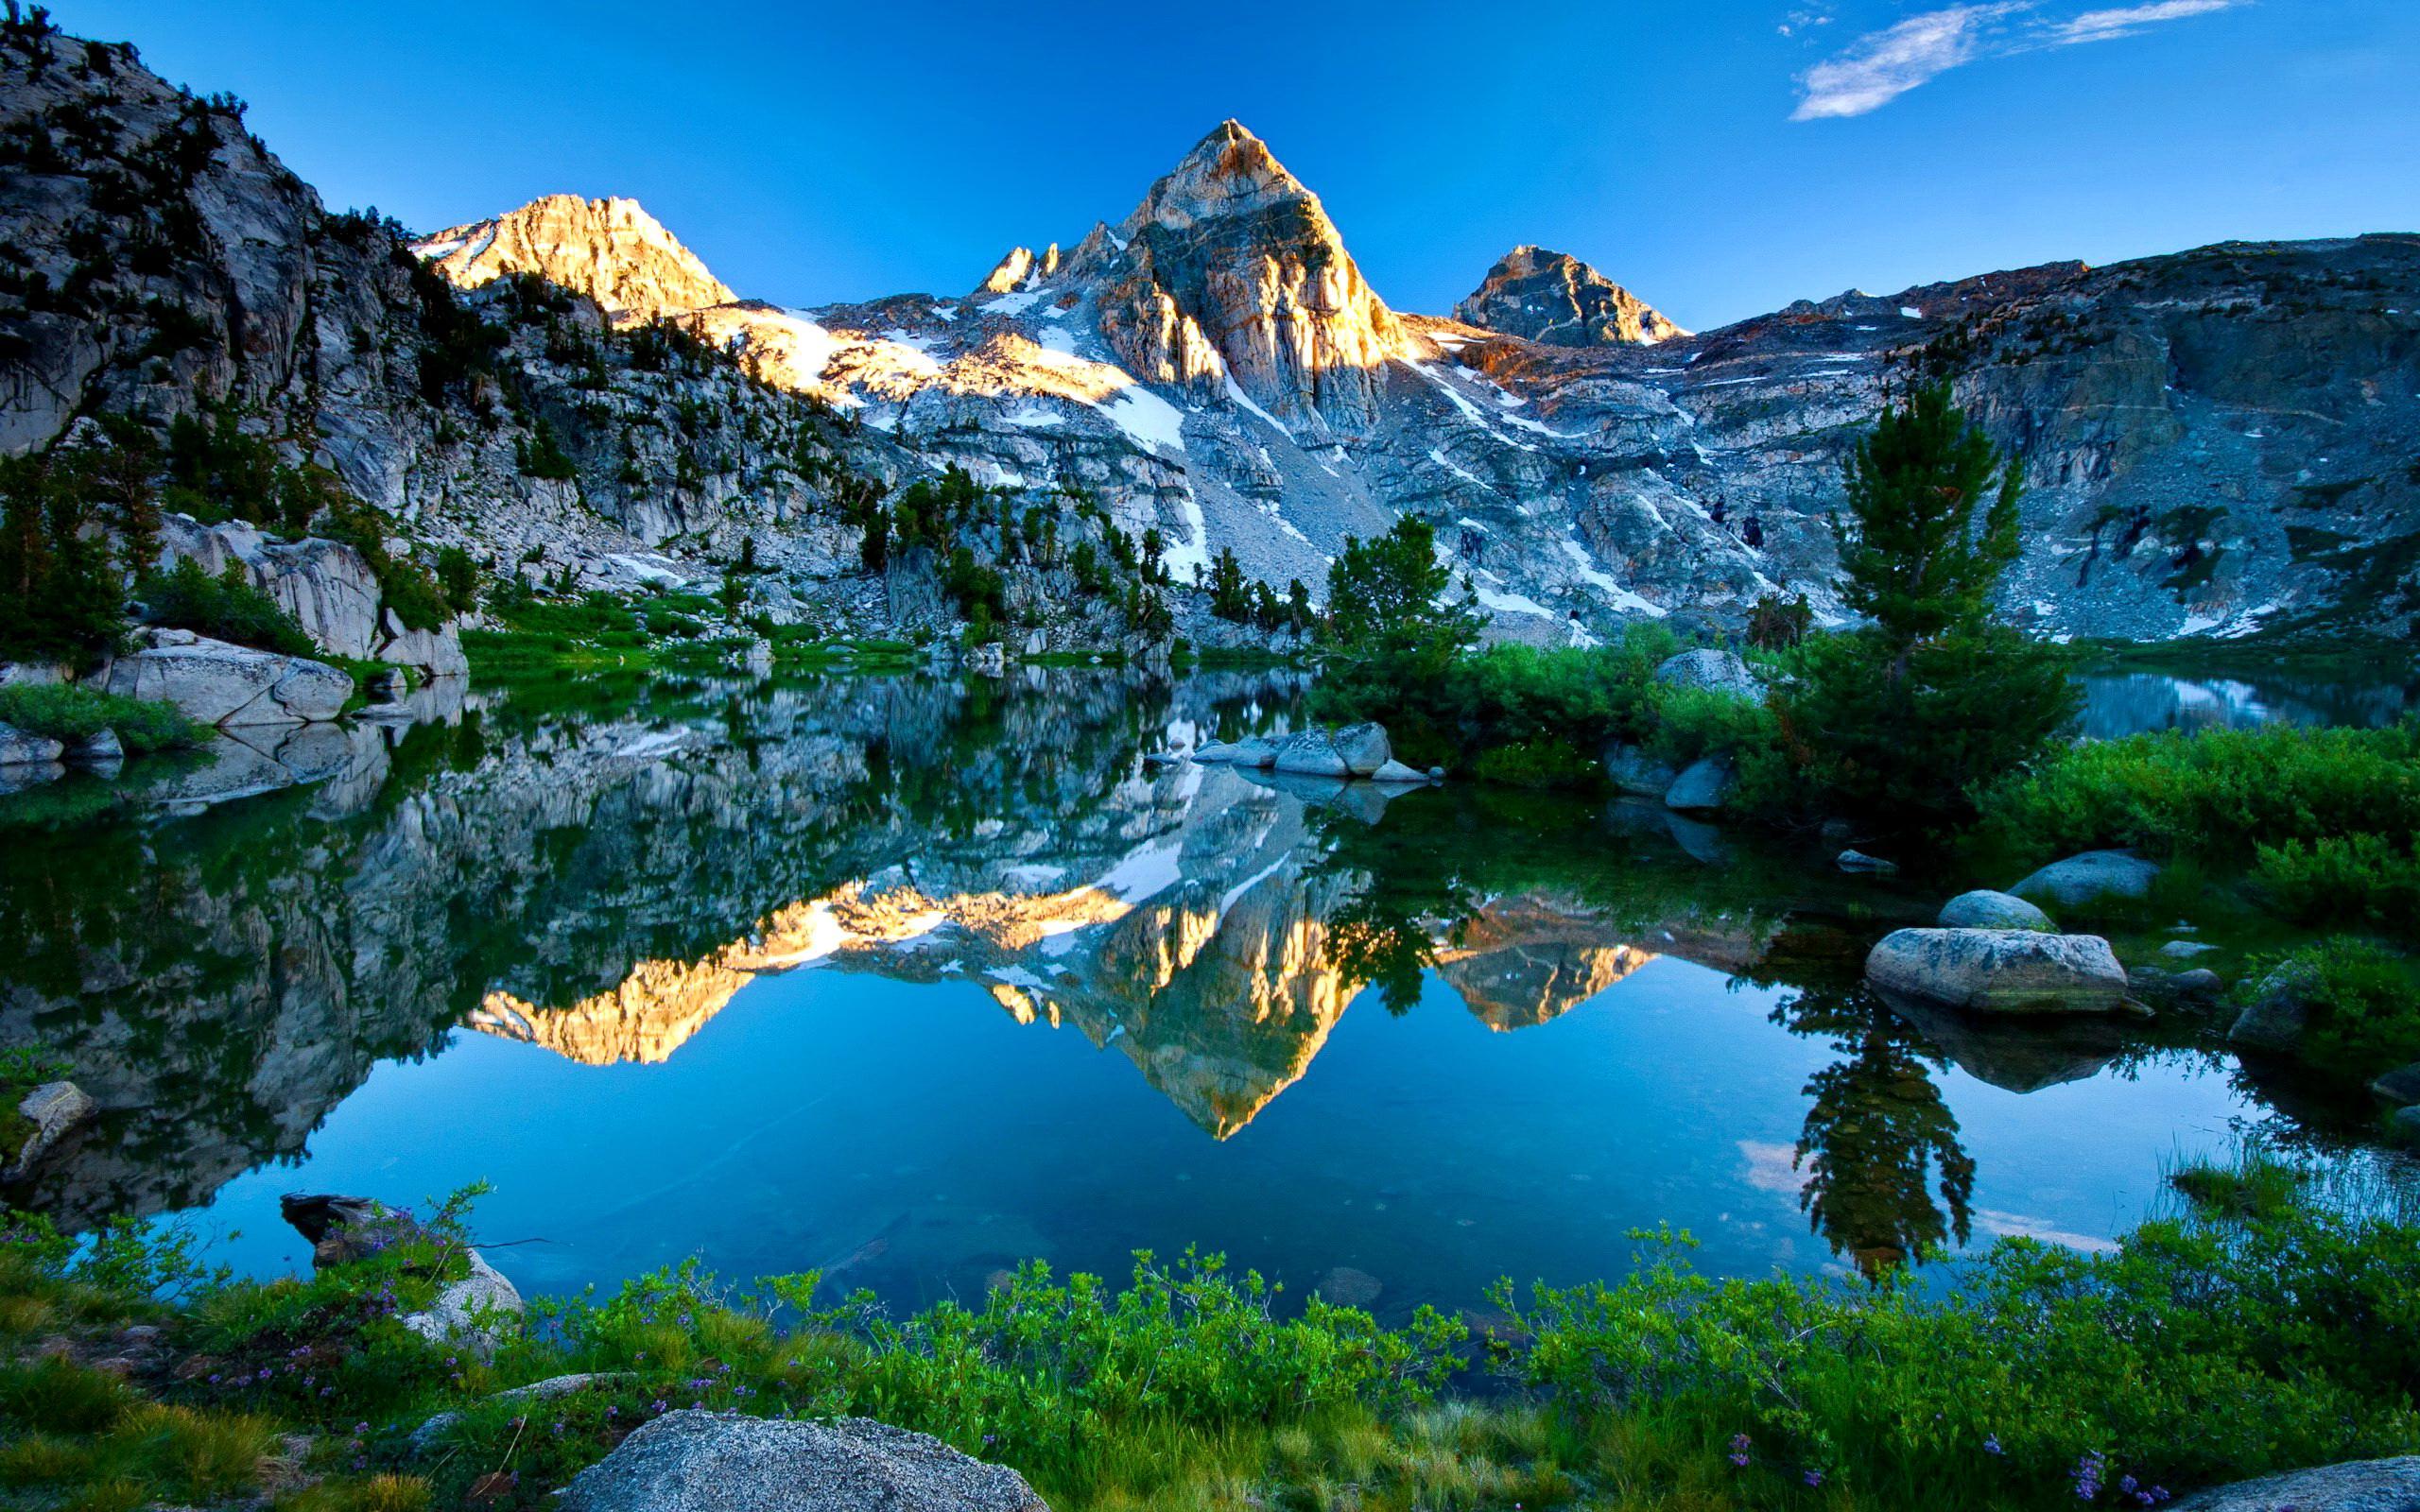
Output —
(2359, 1485)
(1986, 909)
(1630, 769)
(2000, 971)
(2088, 878)
(20, 747)
(1716, 671)
(1703, 786)
(219, 683)
(1311, 753)
(1363, 746)
(694, 1461)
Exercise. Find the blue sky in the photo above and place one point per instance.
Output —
(1721, 157)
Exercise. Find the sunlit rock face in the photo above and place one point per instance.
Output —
(1522, 961)
(1557, 301)
(610, 250)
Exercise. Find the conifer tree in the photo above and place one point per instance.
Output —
(1918, 560)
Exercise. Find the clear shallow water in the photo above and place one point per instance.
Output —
(2127, 703)
(906, 980)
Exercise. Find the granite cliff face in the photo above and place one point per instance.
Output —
(2214, 441)
(1557, 301)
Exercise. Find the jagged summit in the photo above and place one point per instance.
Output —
(1556, 299)
(610, 250)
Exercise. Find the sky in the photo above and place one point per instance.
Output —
(1720, 157)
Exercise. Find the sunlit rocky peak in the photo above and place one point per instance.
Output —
(611, 250)
(1556, 299)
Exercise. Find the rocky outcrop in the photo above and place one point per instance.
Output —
(610, 250)
(1557, 301)
(694, 1461)
(1986, 909)
(2359, 1485)
(227, 685)
(1999, 971)
(1712, 671)
(477, 1310)
(55, 1109)
(326, 585)
(2091, 877)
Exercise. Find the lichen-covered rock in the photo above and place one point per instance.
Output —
(1985, 909)
(56, 1110)
(2000, 971)
(1712, 670)
(2080, 880)
(1363, 746)
(2359, 1485)
(219, 683)
(693, 1461)
(1311, 753)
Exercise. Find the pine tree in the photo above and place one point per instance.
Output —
(1917, 562)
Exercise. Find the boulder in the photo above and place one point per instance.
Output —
(434, 1431)
(223, 684)
(1219, 750)
(2184, 949)
(2404, 1124)
(1631, 770)
(1859, 862)
(2194, 990)
(473, 1311)
(1255, 751)
(2279, 1011)
(1311, 753)
(2399, 1085)
(19, 747)
(100, 749)
(1363, 746)
(1702, 787)
(694, 1461)
(2083, 879)
(1986, 909)
(1396, 771)
(2000, 971)
(56, 1110)
(24, 775)
(2359, 1485)
(1718, 671)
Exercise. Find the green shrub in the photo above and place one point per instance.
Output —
(2363, 1004)
(2220, 794)
(2345, 880)
(70, 711)
(226, 607)
(1538, 763)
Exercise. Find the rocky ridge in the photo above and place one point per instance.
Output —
(1555, 300)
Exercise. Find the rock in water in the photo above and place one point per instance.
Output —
(1705, 785)
(692, 1461)
(2279, 1011)
(1716, 671)
(19, 749)
(2400, 1086)
(1363, 747)
(1347, 1286)
(1859, 861)
(1631, 770)
(1986, 909)
(56, 1110)
(1396, 771)
(223, 684)
(2359, 1485)
(2095, 874)
(1311, 753)
(2000, 971)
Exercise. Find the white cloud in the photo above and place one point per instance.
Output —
(1883, 65)
(2102, 26)
(1880, 66)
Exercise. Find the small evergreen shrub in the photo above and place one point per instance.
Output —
(72, 713)
(225, 608)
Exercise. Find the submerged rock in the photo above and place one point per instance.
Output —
(2359, 1485)
(2000, 971)
(1986, 909)
(2095, 874)
(693, 1461)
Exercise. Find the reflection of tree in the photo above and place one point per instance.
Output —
(1877, 1133)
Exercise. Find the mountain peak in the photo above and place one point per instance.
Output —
(1556, 299)
(611, 250)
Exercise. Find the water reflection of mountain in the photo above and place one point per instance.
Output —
(602, 881)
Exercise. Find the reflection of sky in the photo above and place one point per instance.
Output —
(828, 1115)
(2127, 703)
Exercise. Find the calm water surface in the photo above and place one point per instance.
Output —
(903, 980)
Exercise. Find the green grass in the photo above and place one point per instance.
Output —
(71, 713)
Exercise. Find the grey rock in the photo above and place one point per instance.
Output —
(56, 1110)
(1985, 909)
(2195, 989)
(479, 1312)
(1630, 769)
(2083, 879)
(1396, 771)
(100, 749)
(24, 775)
(1436, 774)
(2000, 971)
(2184, 950)
(1556, 299)
(435, 1430)
(476, 1311)
(2359, 1485)
(1311, 753)
(1858, 860)
(1363, 746)
(1218, 750)
(223, 684)
(2279, 1012)
(2404, 1124)
(1703, 786)
(1718, 671)
(1255, 751)
(2401, 1084)
(19, 749)
(693, 1461)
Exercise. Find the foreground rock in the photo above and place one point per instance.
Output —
(2094, 875)
(56, 1110)
(1631, 770)
(1714, 671)
(693, 1461)
(2000, 971)
(1363, 746)
(477, 1310)
(1701, 788)
(19, 749)
(219, 683)
(1986, 909)
(2361, 1486)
